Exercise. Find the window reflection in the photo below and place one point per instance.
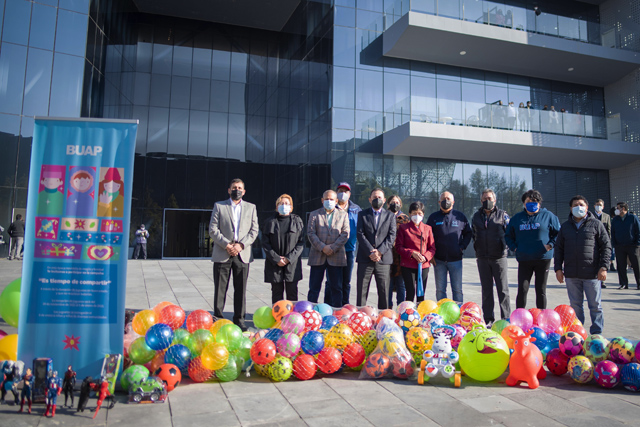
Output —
(37, 83)
(13, 60)
(43, 26)
(71, 33)
(66, 85)
(17, 15)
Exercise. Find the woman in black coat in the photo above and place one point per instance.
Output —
(282, 241)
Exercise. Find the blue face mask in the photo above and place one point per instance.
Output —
(531, 207)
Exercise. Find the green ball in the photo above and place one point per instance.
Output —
(450, 312)
(244, 352)
(499, 325)
(10, 303)
(263, 317)
(140, 353)
(280, 369)
(198, 340)
(180, 336)
(132, 375)
(231, 370)
(231, 336)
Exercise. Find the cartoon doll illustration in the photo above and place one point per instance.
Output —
(111, 194)
(51, 196)
(80, 192)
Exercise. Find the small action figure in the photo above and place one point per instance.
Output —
(68, 384)
(102, 388)
(54, 387)
(26, 390)
(441, 358)
(11, 373)
(85, 390)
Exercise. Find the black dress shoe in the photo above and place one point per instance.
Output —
(241, 325)
(623, 287)
(603, 286)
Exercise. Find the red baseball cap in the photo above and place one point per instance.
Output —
(345, 185)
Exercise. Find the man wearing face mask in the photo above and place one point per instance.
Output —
(531, 234)
(488, 225)
(376, 235)
(345, 204)
(583, 250)
(625, 238)
(233, 229)
(328, 232)
(605, 219)
(452, 234)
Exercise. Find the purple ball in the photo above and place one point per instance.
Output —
(521, 317)
(302, 306)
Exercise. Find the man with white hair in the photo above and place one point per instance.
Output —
(452, 234)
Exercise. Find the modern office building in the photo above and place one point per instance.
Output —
(294, 96)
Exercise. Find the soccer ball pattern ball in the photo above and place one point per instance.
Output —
(418, 339)
(169, 374)
(408, 319)
(571, 344)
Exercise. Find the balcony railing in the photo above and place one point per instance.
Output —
(507, 16)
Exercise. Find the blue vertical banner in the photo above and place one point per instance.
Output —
(76, 242)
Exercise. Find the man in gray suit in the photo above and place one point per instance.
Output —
(376, 236)
(328, 231)
(605, 219)
(233, 228)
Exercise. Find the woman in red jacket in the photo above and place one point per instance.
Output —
(415, 244)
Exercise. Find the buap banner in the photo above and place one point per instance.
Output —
(76, 242)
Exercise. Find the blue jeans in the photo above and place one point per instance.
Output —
(577, 289)
(346, 278)
(454, 268)
(401, 292)
(333, 289)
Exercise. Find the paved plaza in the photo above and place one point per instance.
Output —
(342, 399)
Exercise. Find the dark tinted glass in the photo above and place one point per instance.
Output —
(13, 60)
(66, 86)
(71, 32)
(17, 15)
(37, 83)
(43, 26)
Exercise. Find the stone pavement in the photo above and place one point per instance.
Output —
(342, 399)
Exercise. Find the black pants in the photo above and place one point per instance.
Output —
(382, 274)
(139, 247)
(278, 289)
(410, 277)
(221, 274)
(490, 271)
(633, 253)
(526, 269)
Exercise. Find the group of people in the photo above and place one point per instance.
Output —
(397, 249)
(509, 116)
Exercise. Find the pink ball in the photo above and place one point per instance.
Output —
(521, 317)
(607, 374)
(292, 323)
(288, 345)
(460, 333)
(549, 321)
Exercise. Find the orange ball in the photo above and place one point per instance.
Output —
(156, 362)
(389, 314)
(304, 367)
(197, 372)
(281, 309)
(173, 316)
(329, 360)
(158, 308)
(199, 319)
(511, 330)
(143, 320)
(170, 375)
(578, 329)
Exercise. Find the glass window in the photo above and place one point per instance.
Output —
(221, 64)
(494, 94)
(423, 69)
(343, 118)
(423, 99)
(219, 96)
(218, 125)
(375, 5)
(162, 58)
(13, 61)
(345, 16)
(237, 98)
(449, 101)
(141, 89)
(198, 130)
(66, 85)
(473, 11)
(43, 26)
(144, 56)
(180, 91)
(158, 129)
(81, 6)
(160, 93)
(9, 131)
(370, 20)
(449, 9)
(344, 87)
(71, 34)
(37, 83)
(237, 131)
(200, 89)
(396, 92)
(141, 114)
(239, 67)
(499, 180)
(368, 90)
(344, 46)
(182, 58)
(202, 63)
(16, 22)
(178, 131)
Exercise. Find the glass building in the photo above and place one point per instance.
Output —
(296, 95)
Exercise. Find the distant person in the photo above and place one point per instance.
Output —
(554, 120)
(233, 229)
(397, 282)
(16, 232)
(142, 235)
(581, 259)
(531, 234)
(452, 234)
(283, 243)
(522, 116)
(625, 237)
(528, 117)
(605, 219)
(511, 116)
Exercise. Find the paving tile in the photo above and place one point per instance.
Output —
(492, 404)
(218, 419)
(319, 408)
(523, 417)
(262, 408)
(399, 415)
(340, 420)
(454, 414)
(306, 391)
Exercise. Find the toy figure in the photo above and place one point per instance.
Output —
(85, 390)
(80, 191)
(54, 387)
(526, 362)
(26, 389)
(68, 385)
(102, 388)
(51, 190)
(441, 358)
(111, 194)
(11, 373)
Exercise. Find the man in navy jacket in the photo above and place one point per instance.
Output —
(452, 234)
(531, 234)
(625, 238)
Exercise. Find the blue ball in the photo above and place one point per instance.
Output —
(329, 322)
(541, 338)
(274, 334)
(630, 376)
(554, 340)
(178, 355)
(159, 336)
(323, 309)
(312, 342)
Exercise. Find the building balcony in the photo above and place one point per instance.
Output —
(545, 46)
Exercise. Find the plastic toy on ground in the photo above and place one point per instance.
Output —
(441, 358)
(149, 390)
(526, 364)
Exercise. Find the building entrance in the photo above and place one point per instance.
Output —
(186, 233)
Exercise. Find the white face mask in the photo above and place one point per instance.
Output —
(284, 209)
(579, 211)
(417, 219)
(598, 208)
(343, 197)
(617, 212)
(329, 205)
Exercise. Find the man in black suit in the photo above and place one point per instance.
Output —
(376, 235)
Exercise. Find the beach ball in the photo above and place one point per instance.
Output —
(329, 322)
(288, 345)
(263, 317)
(621, 351)
(405, 305)
(607, 374)
(292, 323)
(197, 371)
(353, 355)
(329, 360)
(304, 367)
(369, 341)
(312, 320)
(323, 309)
(571, 344)
(596, 348)
(471, 316)
(263, 351)
(557, 362)
(302, 306)
(553, 340)
(431, 320)
(470, 305)
(215, 356)
(218, 324)
(230, 371)
(230, 336)
(484, 355)
(281, 309)
(427, 306)
(280, 369)
(158, 307)
(417, 339)
(450, 312)
(630, 376)
(521, 317)
(443, 300)
(143, 320)
(499, 325)
(199, 319)
(274, 334)
(535, 312)
(408, 319)
(580, 369)
(312, 342)
(159, 336)
(10, 303)
(157, 360)
(359, 323)
(172, 315)
(377, 365)
(198, 340)
(133, 374)
(178, 355)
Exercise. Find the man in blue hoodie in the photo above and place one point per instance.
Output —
(625, 238)
(452, 234)
(531, 234)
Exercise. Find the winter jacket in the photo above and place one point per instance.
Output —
(16, 229)
(605, 219)
(352, 210)
(625, 232)
(293, 247)
(452, 234)
(488, 233)
(412, 239)
(527, 235)
(583, 251)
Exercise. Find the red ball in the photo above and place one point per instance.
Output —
(470, 305)
(312, 320)
(377, 366)
(169, 374)
(173, 316)
(557, 362)
(197, 372)
(352, 308)
(329, 360)
(535, 312)
(360, 323)
(402, 366)
(578, 329)
(263, 351)
(304, 367)
(199, 319)
(353, 355)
